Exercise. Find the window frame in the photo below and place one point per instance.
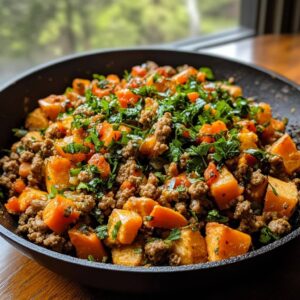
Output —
(249, 14)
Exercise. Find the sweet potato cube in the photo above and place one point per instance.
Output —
(53, 105)
(164, 217)
(224, 242)
(19, 186)
(102, 165)
(225, 189)
(142, 205)
(107, 134)
(183, 76)
(30, 194)
(123, 226)
(264, 114)
(36, 120)
(57, 173)
(13, 205)
(233, 90)
(281, 197)
(86, 244)
(286, 148)
(191, 247)
(147, 146)
(248, 140)
(257, 192)
(80, 85)
(72, 156)
(128, 255)
(24, 169)
(59, 213)
(33, 135)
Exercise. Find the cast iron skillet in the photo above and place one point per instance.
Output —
(20, 96)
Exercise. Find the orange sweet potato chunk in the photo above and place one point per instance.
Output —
(257, 193)
(123, 226)
(281, 197)
(74, 157)
(164, 217)
(286, 148)
(233, 90)
(86, 244)
(53, 105)
(147, 147)
(142, 205)
(80, 85)
(264, 114)
(224, 242)
(191, 247)
(57, 172)
(13, 205)
(102, 165)
(59, 213)
(107, 134)
(19, 186)
(225, 189)
(128, 255)
(36, 120)
(248, 140)
(30, 194)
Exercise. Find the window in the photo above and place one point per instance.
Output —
(35, 31)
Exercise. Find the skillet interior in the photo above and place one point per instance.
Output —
(20, 97)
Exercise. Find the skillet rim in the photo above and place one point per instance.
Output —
(22, 242)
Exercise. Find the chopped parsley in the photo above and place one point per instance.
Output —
(267, 236)
(208, 73)
(273, 189)
(91, 258)
(53, 192)
(19, 132)
(115, 230)
(76, 148)
(174, 235)
(101, 232)
(138, 250)
(215, 216)
(75, 171)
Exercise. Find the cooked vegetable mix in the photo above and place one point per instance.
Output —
(161, 167)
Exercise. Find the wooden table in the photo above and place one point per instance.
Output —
(279, 53)
(22, 278)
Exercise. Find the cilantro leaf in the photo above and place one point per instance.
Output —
(19, 132)
(175, 150)
(53, 192)
(145, 91)
(174, 235)
(215, 216)
(267, 236)
(226, 149)
(101, 232)
(75, 171)
(115, 230)
(75, 148)
(208, 73)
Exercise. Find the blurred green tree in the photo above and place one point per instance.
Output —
(33, 31)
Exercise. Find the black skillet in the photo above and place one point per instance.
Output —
(20, 96)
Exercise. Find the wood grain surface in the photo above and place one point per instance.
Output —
(279, 53)
(22, 278)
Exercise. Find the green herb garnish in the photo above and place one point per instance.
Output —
(215, 216)
(174, 235)
(115, 230)
(101, 232)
